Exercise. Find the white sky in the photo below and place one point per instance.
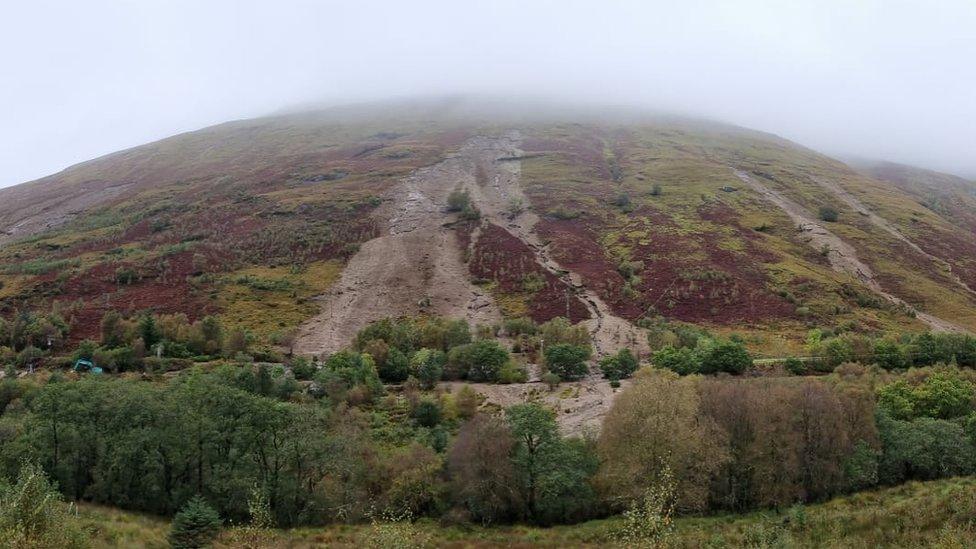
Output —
(883, 79)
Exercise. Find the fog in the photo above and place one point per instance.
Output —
(878, 79)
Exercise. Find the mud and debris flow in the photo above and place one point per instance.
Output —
(841, 255)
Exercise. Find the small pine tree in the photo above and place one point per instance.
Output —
(196, 525)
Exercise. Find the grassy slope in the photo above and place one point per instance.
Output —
(705, 259)
(918, 514)
(201, 209)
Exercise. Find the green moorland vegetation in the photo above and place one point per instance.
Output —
(235, 447)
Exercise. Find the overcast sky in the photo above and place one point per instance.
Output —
(882, 79)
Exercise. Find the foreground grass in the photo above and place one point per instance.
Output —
(919, 514)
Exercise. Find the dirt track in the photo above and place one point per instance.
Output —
(841, 255)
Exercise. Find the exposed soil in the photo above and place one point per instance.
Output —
(841, 255)
(26, 217)
(891, 229)
(415, 267)
(580, 406)
(494, 195)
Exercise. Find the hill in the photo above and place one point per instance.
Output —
(310, 225)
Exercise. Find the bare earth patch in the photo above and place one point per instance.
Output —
(841, 255)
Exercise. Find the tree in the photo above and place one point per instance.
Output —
(148, 331)
(533, 428)
(427, 413)
(428, 366)
(559, 330)
(889, 355)
(679, 360)
(196, 525)
(552, 473)
(619, 366)
(637, 441)
(395, 368)
(943, 394)
(727, 356)
(32, 514)
(478, 361)
(481, 473)
(111, 332)
(567, 361)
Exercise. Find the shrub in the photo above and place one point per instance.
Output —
(196, 525)
(619, 366)
(828, 214)
(679, 360)
(427, 413)
(564, 214)
(622, 201)
(478, 361)
(551, 380)
(729, 357)
(795, 366)
(512, 373)
(428, 366)
(459, 200)
(520, 326)
(567, 361)
(471, 213)
(32, 514)
(395, 368)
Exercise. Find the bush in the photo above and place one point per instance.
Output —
(567, 361)
(478, 361)
(395, 368)
(828, 214)
(520, 326)
(459, 200)
(619, 366)
(551, 380)
(795, 366)
(729, 357)
(32, 514)
(427, 413)
(428, 366)
(196, 525)
(512, 373)
(679, 360)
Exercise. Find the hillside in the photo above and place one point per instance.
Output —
(318, 223)
(919, 514)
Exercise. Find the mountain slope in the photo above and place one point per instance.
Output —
(619, 223)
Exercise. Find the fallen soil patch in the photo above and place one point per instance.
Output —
(841, 255)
